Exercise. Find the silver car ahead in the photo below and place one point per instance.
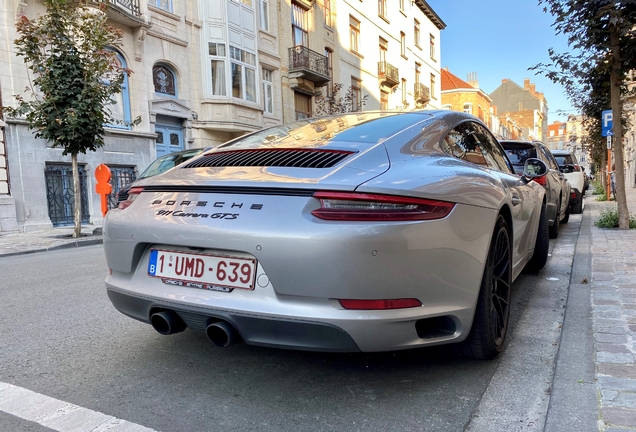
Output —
(371, 231)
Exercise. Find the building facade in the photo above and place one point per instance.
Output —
(466, 96)
(459, 95)
(527, 107)
(203, 73)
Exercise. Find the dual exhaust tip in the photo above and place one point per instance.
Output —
(220, 333)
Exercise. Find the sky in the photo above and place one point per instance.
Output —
(501, 39)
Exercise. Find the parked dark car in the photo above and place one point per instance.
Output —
(556, 185)
(161, 165)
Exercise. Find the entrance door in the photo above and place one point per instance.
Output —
(169, 139)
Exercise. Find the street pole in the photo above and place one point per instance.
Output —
(609, 166)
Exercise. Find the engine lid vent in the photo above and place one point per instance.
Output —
(291, 158)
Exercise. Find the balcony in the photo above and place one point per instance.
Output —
(311, 66)
(389, 75)
(421, 94)
(126, 12)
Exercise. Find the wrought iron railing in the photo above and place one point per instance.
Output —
(301, 57)
(121, 177)
(129, 6)
(388, 71)
(60, 194)
(421, 93)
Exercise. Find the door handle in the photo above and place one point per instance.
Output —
(516, 200)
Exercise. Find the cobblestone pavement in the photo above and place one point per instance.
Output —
(40, 241)
(613, 292)
(614, 318)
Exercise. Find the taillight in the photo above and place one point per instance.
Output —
(133, 193)
(380, 304)
(348, 206)
(577, 168)
(541, 180)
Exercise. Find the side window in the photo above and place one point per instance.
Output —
(463, 143)
(493, 150)
(548, 158)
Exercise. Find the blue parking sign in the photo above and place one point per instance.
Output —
(606, 123)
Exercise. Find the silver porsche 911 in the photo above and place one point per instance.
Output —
(370, 231)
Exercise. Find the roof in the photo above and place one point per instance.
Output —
(430, 14)
(453, 82)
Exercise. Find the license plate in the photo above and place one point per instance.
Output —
(202, 270)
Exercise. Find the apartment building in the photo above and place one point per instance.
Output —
(466, 96)
(525, 105)
(460, 95)
(391, 54)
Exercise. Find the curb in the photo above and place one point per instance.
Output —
(72, 244)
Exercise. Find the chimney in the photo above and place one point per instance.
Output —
(505, 80)
(526, 83)
(533, 89)
(472, 79)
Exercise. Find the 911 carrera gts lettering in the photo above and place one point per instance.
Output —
(179, 213)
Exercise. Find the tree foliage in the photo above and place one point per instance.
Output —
(595, 74)
(333, 103)
(74, 74)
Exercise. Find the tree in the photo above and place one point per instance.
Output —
(601, 32)
(74, 77)
(335, 104)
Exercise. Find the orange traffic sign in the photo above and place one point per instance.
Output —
(103, 187)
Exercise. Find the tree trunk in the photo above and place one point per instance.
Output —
(617, 145)
(77, 202)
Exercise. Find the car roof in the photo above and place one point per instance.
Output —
(561, 152)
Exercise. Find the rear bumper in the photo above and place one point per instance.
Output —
(368, 331)
(291, 334)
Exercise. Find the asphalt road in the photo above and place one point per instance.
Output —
(60, 337)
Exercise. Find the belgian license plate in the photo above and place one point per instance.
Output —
(201, 270)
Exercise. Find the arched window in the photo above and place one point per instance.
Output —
(164, 80)
(120, 109)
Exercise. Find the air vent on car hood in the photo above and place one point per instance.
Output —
(292, 158)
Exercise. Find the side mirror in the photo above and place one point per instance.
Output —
(534, 168)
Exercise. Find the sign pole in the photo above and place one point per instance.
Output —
(609, 166)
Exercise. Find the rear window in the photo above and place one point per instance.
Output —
(518, 156)
(364, 127)
(565, 160)
(164, 163)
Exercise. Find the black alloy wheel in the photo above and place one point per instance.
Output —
(490, 324)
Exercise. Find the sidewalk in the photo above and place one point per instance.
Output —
(41, 241)
(613, 300)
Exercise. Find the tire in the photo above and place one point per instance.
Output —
(578, 207)
(541, 246)
(490, 323)
(566, 218)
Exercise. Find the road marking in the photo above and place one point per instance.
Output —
(59, 415)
